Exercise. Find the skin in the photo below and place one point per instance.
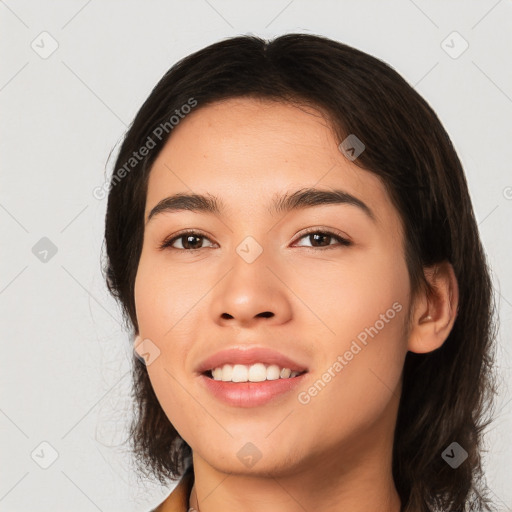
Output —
(333, 453)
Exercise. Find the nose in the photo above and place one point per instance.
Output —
(250, 293)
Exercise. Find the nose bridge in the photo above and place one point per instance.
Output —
(250, 290)
(249, 281)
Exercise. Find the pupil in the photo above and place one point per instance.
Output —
(316, 236)
(191, 237)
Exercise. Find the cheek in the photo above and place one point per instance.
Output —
(161, 301)
(366, 310)
(358, 382)
(160, 304)
(373, 318)
(164, 298)
(351, 294)
(185, 414)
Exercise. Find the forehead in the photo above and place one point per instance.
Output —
(246, 151)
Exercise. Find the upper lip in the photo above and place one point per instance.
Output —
(248, 356)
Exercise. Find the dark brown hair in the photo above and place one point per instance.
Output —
(446, 393)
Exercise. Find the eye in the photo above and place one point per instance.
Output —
(190, 241)
(321, 239)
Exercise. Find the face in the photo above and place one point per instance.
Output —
(324, 284)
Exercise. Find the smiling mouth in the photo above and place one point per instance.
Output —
(294, 375)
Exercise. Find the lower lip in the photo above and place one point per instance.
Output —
(250, 394)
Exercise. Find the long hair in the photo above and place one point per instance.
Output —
(446, 394)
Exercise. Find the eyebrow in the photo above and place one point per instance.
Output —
(300, 199)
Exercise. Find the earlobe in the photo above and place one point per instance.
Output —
(435, 310)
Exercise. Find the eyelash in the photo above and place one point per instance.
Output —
(167, 243)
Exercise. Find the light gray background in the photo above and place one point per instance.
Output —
(65, 365)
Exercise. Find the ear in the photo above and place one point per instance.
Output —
(434, 312)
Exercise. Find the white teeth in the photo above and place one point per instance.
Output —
(240, 373)
(217, 373)
(226, 372)
(273, 372)
(257, 372)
